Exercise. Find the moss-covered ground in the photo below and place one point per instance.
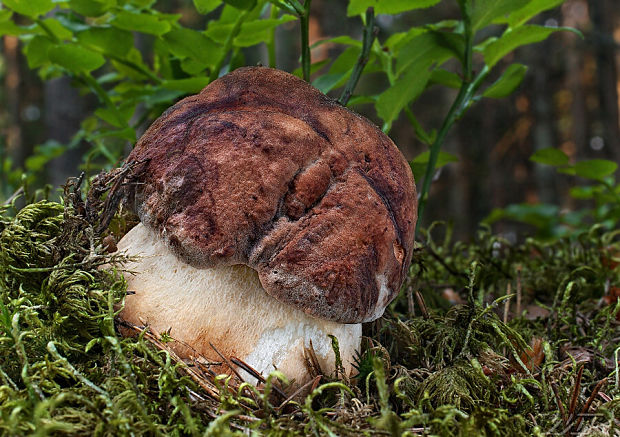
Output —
(486, 338)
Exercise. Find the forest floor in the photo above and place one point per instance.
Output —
(485, 338)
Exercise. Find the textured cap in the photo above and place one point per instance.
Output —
(262, 169)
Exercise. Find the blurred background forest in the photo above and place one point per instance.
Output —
(568, 100)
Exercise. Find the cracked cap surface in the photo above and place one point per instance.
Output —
(262, 169)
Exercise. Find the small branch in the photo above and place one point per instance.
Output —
(559, 403)
(313, 382)
(227, 362)
(588, 403)
(420, 300)
(254, 373)
(370, 33)
(304, 17)
(299, 9)
(575, 396)
(47, 30)
(417, 127)
(205, 384)
(13, 196)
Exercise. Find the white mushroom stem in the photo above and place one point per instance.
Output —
(225, 306)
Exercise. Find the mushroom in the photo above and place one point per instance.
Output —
(271, 217)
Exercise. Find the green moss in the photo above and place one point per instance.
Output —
(455, 370)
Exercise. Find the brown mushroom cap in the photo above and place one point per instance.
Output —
(262, 169)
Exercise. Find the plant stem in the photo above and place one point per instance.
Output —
(417, 127)
(462, 101)
(47, 30)
(228, 45)
(296, 6)
(304, 18)
(370, 33)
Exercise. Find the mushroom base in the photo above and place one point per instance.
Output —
(225, 306)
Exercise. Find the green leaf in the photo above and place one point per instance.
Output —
(218, 31)
(596, 169)
(507, 83)
(587, 192)
(31, 8)
(550, 156)
(191, 85)
(357, 7)
(241, 4)
(75, 58)
(405, 89)
(252, 31)
(512, 39)
(229, 15)
(541, 215)
(145, 23)
(158, 96)
(135, 57)
(361, 100)
(142, 3)
(418, 164)
(257, 31)
(533, 8)
(346, 60)
(37, 51)
(546, 218)
(484, 12)
(107, 40)
(128, 134)
(5, 15)
(237, 60)
(186, 43)
(193, 67)
(570, 170)
(342, 39)
(326, 82)
(206, 6)
(91, 8)
(8, 26)
(112, 117)
(445, 78)
(443, 158)
(59, 31)
(399, 39)
(72, 22)
(43, 153)
(431, 47)
(316, 66)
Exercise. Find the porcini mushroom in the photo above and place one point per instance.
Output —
(271, 216)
